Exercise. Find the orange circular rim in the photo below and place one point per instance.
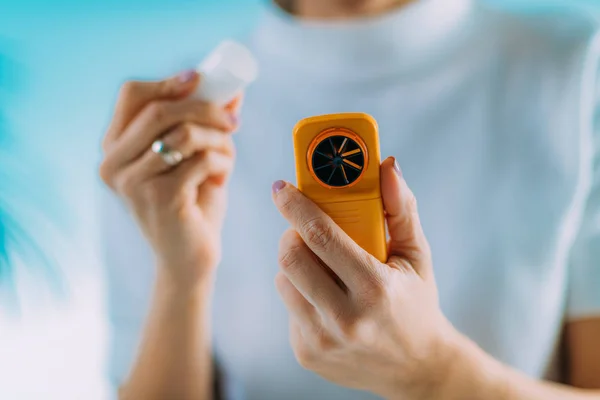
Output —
(327, 133)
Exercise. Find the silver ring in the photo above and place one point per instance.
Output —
(170, 156)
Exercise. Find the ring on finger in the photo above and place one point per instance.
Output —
(169, 155)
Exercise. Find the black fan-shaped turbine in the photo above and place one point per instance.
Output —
(338, 161)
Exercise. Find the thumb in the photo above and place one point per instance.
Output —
(407, 240)
(135, 95)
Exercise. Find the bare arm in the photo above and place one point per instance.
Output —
(477, 375)
(417, 353)
(175, 357)
(168, 156)
(583, 346)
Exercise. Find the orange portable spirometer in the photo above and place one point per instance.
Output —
(337, 166)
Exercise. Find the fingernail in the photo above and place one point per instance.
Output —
(186, 76)
(397, 168)
(277, 186)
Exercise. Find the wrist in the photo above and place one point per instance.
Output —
(472, 374)
(432, 377)
(174, 288)
(458, 370)
(187, 279)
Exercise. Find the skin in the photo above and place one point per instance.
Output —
(339, 9)
(581, 340)
(335, 314)
(180, 211)
(382, 329)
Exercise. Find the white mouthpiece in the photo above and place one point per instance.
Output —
(226, 72)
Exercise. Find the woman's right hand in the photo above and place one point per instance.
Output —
(179, 208)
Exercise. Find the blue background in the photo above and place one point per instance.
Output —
(61, 63)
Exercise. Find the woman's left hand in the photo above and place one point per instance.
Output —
(354, 320)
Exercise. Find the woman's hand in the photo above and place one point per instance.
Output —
(180, 208)
(379, 328)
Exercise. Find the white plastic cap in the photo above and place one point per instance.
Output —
(226, 72)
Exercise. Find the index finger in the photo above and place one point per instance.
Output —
(135, 95)
(353, 265)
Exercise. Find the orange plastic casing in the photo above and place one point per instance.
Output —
(356, 207)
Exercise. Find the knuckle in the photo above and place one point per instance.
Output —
(304, 355)
(158, 111)
(183, 135)
(338, 315)
(128, 90)
(212, 160)
(425, 249)
(280, 281)
(105, 144)
(364, 260)
(164, 87)
(413, 203)
(106, 174)
(415, 250)
(125, 185)
(322, 342)
(289, 259)
(289, 237)
(373, 290)
(348, 328)
(228, 145)
(318, 233)
(373, 296)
